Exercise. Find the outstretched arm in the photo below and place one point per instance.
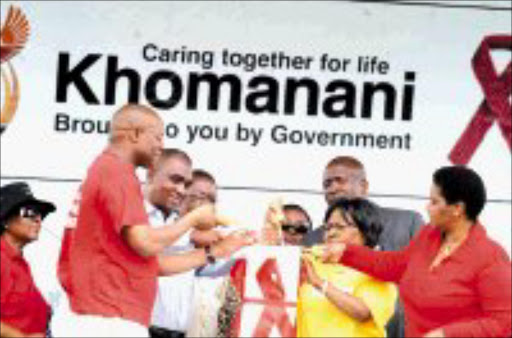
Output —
(148, 241)
(173, 264)
(384, 265)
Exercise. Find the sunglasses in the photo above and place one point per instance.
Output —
(300, 229)
(31, 213)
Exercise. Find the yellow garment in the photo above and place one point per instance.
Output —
(318, 317)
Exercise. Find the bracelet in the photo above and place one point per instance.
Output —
(325, 285)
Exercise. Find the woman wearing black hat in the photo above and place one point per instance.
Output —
(24, 312)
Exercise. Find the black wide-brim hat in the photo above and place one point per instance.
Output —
(18, 194)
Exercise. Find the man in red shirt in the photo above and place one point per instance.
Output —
(112, 264)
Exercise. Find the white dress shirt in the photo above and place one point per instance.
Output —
(173, 305)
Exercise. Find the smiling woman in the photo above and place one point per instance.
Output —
(24, 311)
(346, 302)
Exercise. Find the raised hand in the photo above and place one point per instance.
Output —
(332, 253)
(233, 243)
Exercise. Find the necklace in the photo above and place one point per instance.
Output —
(447, 249)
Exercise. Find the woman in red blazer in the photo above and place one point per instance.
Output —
(454, 280)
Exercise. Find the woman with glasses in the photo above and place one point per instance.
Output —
(23, 310)
(337, 301)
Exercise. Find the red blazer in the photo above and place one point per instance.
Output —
(467, 295)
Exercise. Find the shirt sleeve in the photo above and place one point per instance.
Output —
(380, 298)
(388, 266)
(494, 289)
(121, 197)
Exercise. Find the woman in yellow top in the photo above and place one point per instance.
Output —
(337, 301)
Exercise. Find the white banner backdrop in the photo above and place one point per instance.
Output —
(262, 95)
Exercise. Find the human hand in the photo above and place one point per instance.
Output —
(332, 253)
(233, 243)
(205, 218)
(36, 335)
(310, 273)
(203, 238)
(274, 216)
(437, 333)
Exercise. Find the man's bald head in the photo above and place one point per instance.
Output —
(138, 131)
(132, 117)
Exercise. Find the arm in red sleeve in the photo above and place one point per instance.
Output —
(494, 289)
(388, 266)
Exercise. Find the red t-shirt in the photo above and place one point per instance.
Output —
(21, 303)
(105, 276)
(467, 295)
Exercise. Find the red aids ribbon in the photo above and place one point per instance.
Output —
(495, 106)
(274, 314)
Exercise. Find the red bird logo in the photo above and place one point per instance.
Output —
(14, 34)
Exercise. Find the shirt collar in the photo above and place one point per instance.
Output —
(111, 153)
(154, 212)
(476, 234)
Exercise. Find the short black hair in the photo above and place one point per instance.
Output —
(296, 207)
(460, 184)
(168, 153)
(203, 174)
(363, 214)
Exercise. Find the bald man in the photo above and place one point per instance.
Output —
(112, 264)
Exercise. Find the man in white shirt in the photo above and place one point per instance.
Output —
(166, 189)
(209, 283)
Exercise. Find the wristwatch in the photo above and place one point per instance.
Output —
(210, 258)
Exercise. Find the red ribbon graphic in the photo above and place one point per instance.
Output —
(274, 314)
(495, 106)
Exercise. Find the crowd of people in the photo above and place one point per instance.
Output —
(155, 259)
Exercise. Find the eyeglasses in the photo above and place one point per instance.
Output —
(300, 229)
(31, 213)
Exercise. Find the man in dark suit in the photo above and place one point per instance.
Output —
(345, 176)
